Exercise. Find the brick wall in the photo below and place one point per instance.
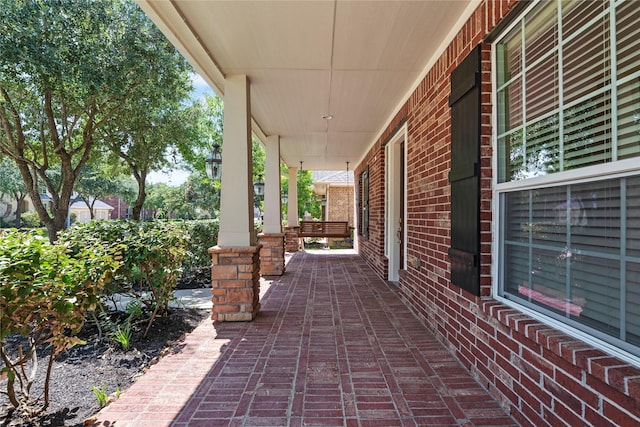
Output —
(372, 248)
(119, 207)
(543, 376)
(340, 203)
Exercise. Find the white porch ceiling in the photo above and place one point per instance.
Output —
(355, 60)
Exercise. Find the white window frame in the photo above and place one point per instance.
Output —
(611, 170)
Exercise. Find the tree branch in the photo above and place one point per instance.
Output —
(17, 141)
(58, 147)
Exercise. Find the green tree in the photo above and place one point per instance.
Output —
(306, 199)
(210, 117)
(203, 193)
(67, 69)
(11, 184)
(169, 201)
(154, 133)
(258, 157)
(94, 184)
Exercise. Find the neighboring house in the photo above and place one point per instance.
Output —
(496, 147)
(121, 210)
(101, 210)
(335, 189)
(8, 207)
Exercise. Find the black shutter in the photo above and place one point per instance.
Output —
(464, 176)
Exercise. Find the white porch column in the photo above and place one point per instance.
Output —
(272, 238)
(236, 198)
(235, 269)
(292, 211)
(272, 208)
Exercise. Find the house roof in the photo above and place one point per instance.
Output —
(357, 61)
(332, 177)
(99, 204)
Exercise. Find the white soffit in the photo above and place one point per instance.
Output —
(354, 60)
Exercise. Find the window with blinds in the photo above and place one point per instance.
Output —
(568, 119)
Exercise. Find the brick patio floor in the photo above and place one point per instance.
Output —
(332, 346)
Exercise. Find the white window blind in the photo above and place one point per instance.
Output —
(568, 99)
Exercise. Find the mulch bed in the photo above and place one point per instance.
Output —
(101, 362)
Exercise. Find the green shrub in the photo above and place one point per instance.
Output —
(203, 234)
(151, 253)
(45, 293)
(30, 220)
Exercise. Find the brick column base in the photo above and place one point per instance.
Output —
(235, 280)
(291, 243)
(272, 254)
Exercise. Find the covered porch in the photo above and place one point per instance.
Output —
(333, 345)
(317, 83)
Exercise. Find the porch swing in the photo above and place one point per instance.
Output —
(322, 229)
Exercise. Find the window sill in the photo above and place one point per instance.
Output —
(578, 356)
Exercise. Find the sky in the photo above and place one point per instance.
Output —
(178, 177)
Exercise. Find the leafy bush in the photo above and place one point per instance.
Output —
(45, 293)
(30, 220)
(152, 254)
(203, 234)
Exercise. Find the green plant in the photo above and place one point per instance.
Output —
(30, 220)
(45, 293)
(122, 335)
(203, 234)
(101, 395)
(151, 254)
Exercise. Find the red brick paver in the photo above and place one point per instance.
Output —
(332, 346)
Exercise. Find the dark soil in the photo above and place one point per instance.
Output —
(195, 279)
(99, 363)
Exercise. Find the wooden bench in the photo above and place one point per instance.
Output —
(324, 229)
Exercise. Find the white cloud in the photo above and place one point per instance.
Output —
(173, 178)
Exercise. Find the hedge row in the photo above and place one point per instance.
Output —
(47, 290)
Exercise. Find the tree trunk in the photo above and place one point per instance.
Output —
(31, 171)
(90, 206)
(19, 204)
(137, 205)
(59, 210)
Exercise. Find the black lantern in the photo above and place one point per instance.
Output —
(213, 163)
(258, 187)
(284, 197)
